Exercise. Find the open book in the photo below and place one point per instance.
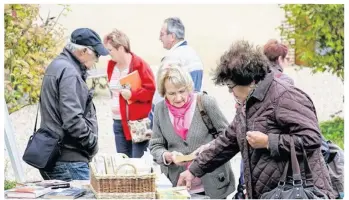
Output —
(184, 158)
(173, 193)
(132, 81)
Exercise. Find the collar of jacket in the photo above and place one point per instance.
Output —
(178, 44)
(262, 87)
(81, 68)
(276, 67)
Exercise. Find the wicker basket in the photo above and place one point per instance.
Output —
(133, 186)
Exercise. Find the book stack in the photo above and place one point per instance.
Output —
(69, 193)
(30, 192)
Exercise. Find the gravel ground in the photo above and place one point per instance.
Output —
(325, 90)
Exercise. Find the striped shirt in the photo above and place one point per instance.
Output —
(115, 87)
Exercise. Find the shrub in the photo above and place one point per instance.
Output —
(9, 184)
(30, 43)
(318, 32)
(334, 130)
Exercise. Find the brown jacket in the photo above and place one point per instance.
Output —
(278, 110)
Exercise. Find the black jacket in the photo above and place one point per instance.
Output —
(64, 98)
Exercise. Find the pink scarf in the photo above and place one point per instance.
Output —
(180, 116)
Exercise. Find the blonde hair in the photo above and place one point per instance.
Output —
(117, 39)
(176, 75)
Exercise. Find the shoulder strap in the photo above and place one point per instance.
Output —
(307, 170)
(211, 129)
(37, 113)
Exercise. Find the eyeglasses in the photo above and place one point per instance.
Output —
(230, 86)
(95, 52)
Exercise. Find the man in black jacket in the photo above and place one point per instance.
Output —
(67, 108)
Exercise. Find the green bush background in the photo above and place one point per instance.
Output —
(334, 130)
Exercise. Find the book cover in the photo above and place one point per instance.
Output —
(70, 193)
(100, 165)
(132, 81)
(27, 192)
(184, 158)
(51, 183)
(109, 165)
(173, 193)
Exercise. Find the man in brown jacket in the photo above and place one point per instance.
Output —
(272, 112)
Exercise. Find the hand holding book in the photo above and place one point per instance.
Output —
(180, 159)
(132, 82)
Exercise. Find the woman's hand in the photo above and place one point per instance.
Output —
(185, 178)
(126, 94)
(174, 154)
(168, 157)
(257, 140)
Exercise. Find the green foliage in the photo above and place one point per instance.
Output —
(334, 130)
(318, 35)
(9, 184)
(30, 44)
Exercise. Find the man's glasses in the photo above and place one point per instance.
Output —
(94, 51)
(163, 34)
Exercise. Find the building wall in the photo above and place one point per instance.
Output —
(210, 29)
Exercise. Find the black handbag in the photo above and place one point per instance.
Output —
(297, 188)
(43, 148)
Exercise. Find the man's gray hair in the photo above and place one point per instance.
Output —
(175, 26)
(76, 47)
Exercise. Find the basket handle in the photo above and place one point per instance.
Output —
(120, 166)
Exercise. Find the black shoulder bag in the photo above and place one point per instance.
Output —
(43, 148)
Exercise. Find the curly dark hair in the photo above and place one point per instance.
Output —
(242, 64)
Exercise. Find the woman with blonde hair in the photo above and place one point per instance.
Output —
(179, 129)
(123, 62)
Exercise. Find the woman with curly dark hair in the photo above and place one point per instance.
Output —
(274, 122)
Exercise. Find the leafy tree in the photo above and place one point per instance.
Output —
(318, 34)
(30, 44)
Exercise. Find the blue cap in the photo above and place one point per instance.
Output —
(88, 37)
